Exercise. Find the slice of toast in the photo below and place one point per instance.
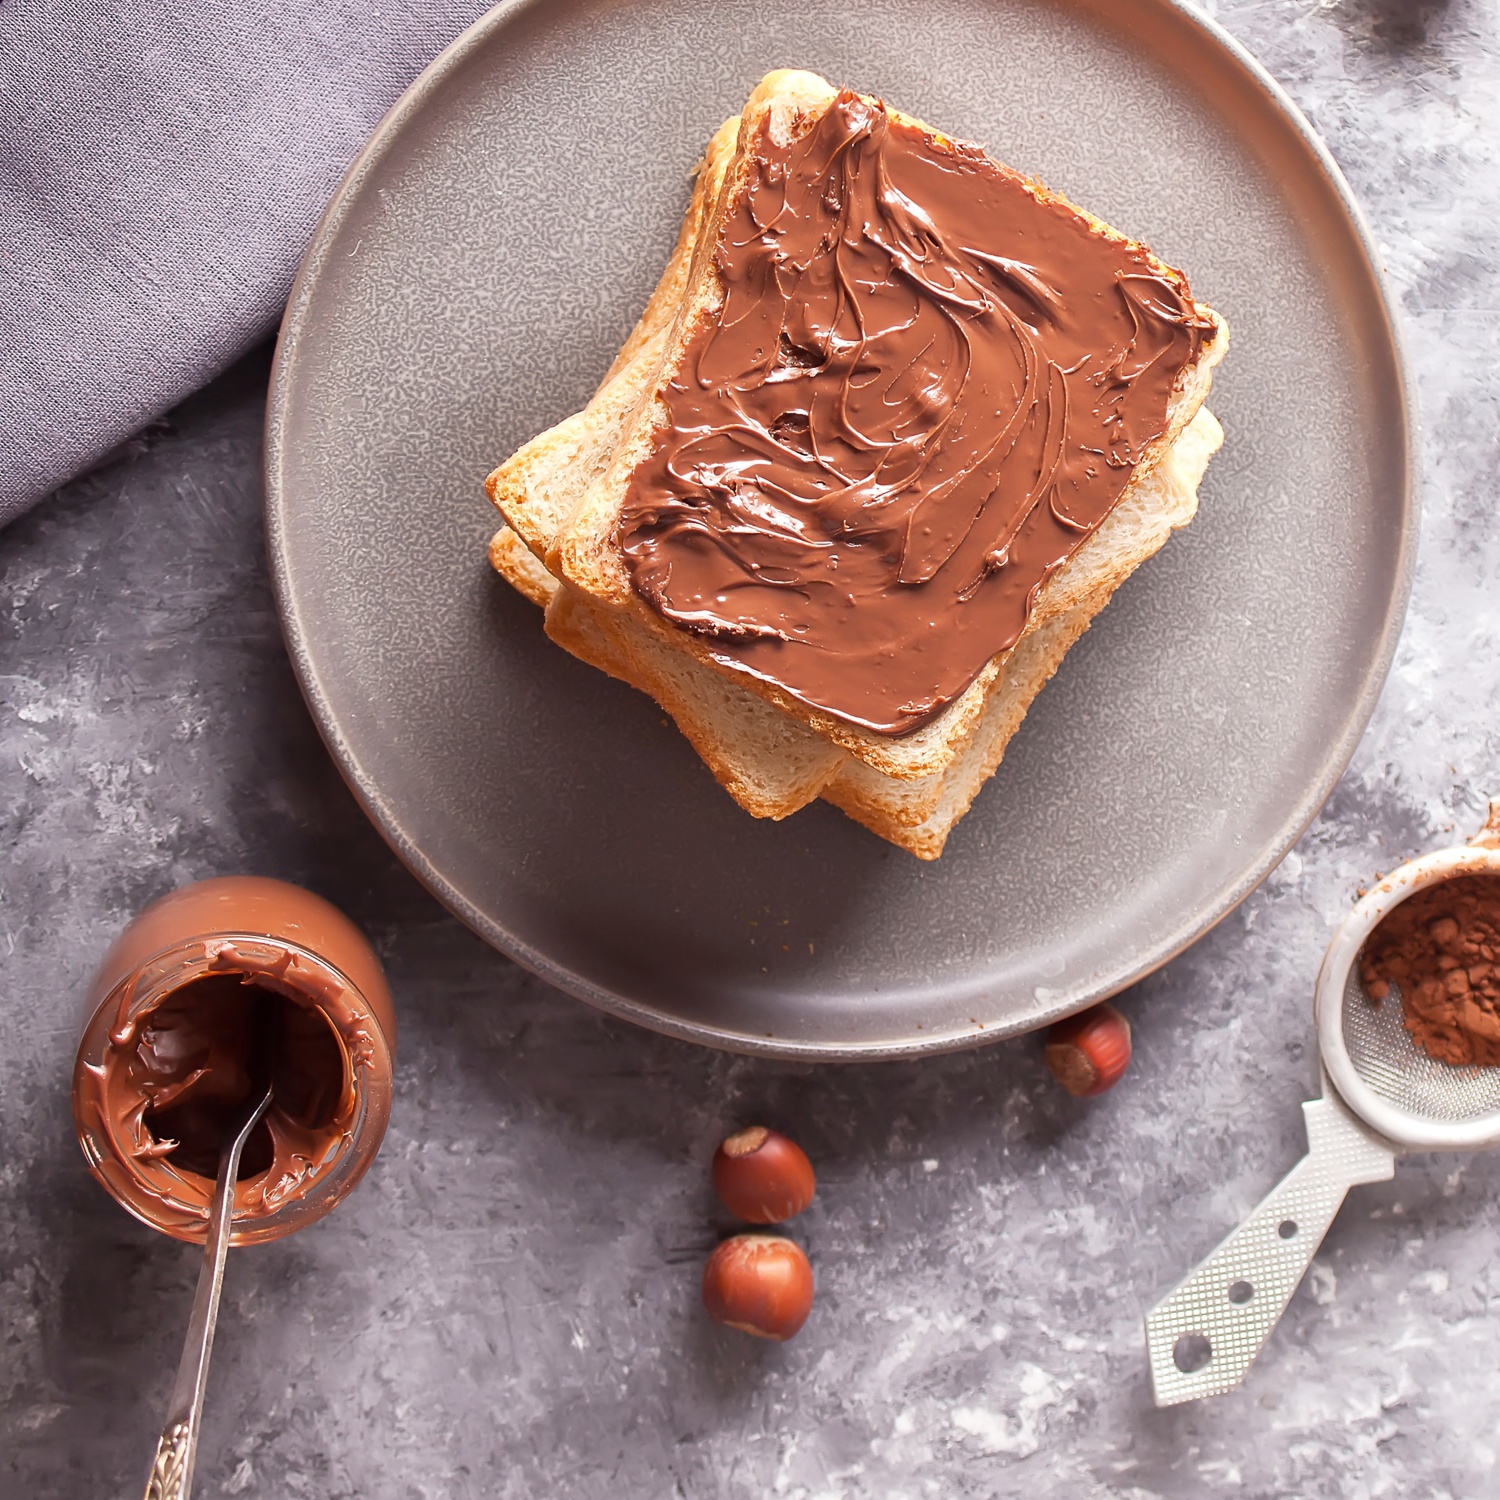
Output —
(563, 491)
(772, 755)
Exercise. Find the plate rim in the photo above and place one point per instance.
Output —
(1061, 1003)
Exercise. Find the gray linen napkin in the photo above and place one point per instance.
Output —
(162, 165)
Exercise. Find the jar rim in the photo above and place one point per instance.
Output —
(284, 966)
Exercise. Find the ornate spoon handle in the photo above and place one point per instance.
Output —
(171, 1469)
(171, 1476)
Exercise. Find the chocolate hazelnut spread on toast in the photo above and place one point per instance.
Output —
(929, 382)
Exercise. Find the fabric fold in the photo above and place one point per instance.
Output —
(163, 164)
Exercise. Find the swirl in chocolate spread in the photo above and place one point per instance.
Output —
(179, 1078)
(928, 383)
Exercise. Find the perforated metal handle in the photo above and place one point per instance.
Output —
(1204, 1335)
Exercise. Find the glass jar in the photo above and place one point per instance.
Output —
(206, 994)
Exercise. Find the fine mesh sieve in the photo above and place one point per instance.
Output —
(1382, 1096)
(1398, 1071)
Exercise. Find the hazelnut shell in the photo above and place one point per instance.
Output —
(760, 1284)
(1088, 1053)
(763, 1177)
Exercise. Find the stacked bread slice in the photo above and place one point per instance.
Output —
(561, 497)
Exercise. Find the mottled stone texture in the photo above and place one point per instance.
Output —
(508, 1306)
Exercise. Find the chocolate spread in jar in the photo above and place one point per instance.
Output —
(181, 1077)
(928, 384)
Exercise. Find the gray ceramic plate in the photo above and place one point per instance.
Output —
(486, 256)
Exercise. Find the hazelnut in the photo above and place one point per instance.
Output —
(762, 1177)
(1089, 1052)
(760, 1284)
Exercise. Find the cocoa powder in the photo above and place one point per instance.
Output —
(1441, 949)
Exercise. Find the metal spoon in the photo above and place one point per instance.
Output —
(171, 1475)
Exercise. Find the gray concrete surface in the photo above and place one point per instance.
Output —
(508, 1306)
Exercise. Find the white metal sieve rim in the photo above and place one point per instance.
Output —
(1396, 1124)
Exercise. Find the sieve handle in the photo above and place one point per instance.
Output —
(1204, 1335)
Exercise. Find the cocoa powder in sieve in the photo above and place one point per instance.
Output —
(1441, 948)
